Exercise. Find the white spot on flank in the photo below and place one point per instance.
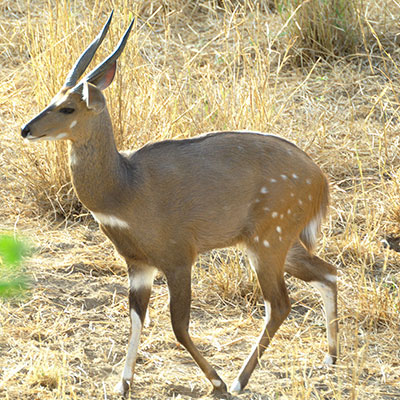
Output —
(284, 177)
(274, 214)
(110, 220)
(257, 200)
(281, 216)
(216, 382)
(142, 278)
(256, 239)
(300, 201)
(292, 194)
(61, 135)
(266, 243)
(280, 238)
(266, 208)
(308, 181)
(309, 197)
(264, 190)
(279, 229)
(136, 328)
(73, 123)
(289, 211)
(272, 180)
(294, 176)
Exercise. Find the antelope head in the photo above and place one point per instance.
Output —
(78, 101)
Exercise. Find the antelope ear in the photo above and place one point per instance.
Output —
(93, 97)
(104, 79)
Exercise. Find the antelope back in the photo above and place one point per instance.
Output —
(227, 187)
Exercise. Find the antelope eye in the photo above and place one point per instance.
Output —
(67, 110)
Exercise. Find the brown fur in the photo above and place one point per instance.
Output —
(167, 202)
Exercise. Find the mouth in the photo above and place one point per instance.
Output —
(31, 138)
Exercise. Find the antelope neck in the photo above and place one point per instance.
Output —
(96, 166)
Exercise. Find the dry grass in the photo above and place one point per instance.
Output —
(191, 67)
(327, 29)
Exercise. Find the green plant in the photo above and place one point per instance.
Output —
(13, 281)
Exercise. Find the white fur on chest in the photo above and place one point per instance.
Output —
(110, 220)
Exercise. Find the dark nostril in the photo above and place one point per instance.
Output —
(25, 131)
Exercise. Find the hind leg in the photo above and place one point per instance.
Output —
(269, 271)
(179, 285)
(321, 275)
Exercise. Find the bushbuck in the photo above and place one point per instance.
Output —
(167, 202)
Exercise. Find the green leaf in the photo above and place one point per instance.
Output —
(11, 250)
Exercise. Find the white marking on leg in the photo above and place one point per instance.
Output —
(147, 319)
(267, 306)
(73, 123)
(136, 328)
(236, 387)
(328, 360)
(266, 243)
(142, 278)
(328, 298)
(264, 190)
(331, 278)
(110, 220)
(216, 382)
(119, 388)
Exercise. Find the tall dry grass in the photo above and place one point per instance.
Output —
(192, 67)
(328, 29)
